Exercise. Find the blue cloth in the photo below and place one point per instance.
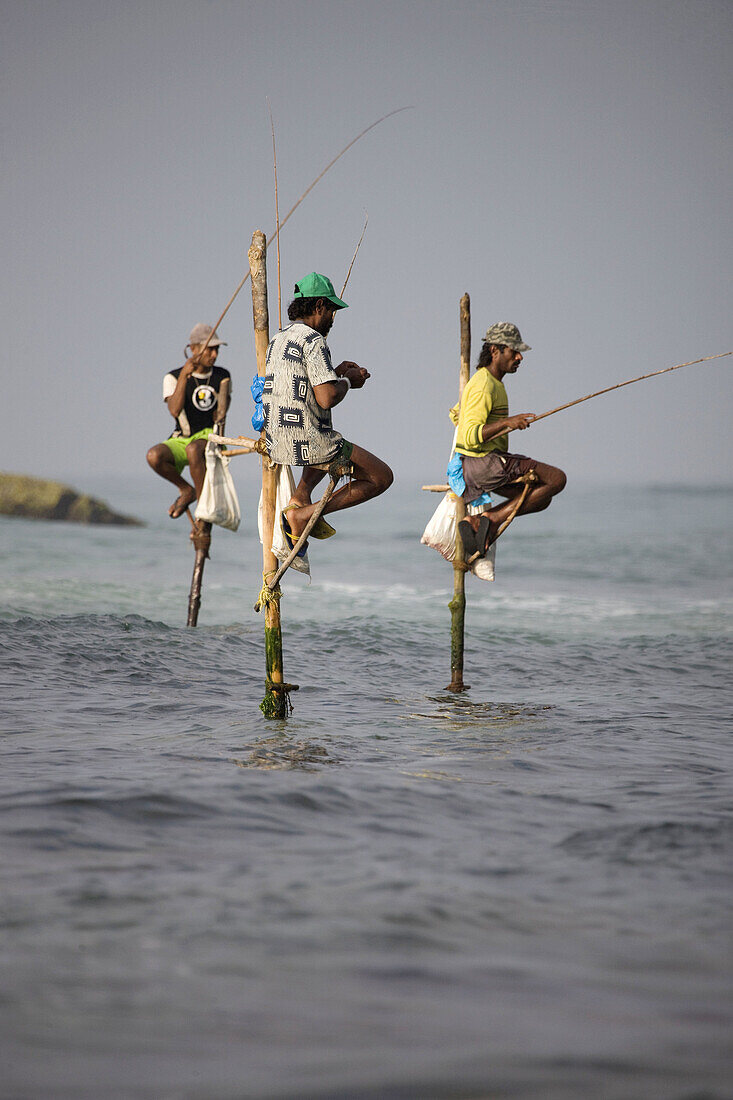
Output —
(457, 481)
(258, 417)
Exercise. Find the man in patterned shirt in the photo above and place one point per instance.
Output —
(301, 388)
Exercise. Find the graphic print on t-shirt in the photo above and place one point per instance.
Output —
(204, 397)
(201, 397)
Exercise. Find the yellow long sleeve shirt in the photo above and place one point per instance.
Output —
(484, 401)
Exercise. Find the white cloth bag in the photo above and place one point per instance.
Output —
(283, 496)
(484, 569)
(218, 502)
(441, 531)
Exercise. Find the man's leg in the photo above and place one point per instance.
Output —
(160, 458)
(550, 482)
(195, 452)
(301, 498)
(371, 478)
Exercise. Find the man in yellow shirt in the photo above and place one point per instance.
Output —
(483, 425)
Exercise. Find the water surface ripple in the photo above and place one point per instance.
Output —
(522, 891)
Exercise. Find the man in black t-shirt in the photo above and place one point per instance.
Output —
(192, 395)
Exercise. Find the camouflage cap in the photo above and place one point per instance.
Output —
(507, 334)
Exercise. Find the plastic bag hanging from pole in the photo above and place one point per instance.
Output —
(258, 416)
(218, 502)
(283, 496)
(441, 531)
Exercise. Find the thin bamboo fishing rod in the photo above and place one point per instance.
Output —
(293, 208)
(277, 222)
(353, 258)
(618, 385)
(579, 400)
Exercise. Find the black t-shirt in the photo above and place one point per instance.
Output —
(200, 402)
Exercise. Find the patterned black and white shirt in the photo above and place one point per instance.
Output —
(298, 431)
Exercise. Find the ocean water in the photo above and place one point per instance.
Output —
(520, 891)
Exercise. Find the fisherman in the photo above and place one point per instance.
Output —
(301, 387)
(483, 424)
(191, 393)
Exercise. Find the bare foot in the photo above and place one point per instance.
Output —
(294, 502)
(321, 530)
(179, 506)
(296, 519)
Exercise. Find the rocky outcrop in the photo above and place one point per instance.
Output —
(36, 498)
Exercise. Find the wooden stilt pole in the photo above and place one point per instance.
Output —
(283, 567)
(194, 595)
(203, 538)
(458, 603)
(275, 703)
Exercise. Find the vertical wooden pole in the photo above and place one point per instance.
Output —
(274, 705)
(194, 595)
(458, 603)
(202, 552)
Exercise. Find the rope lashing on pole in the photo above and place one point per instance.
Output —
(268, 595)
(273, 583)
(201, 540)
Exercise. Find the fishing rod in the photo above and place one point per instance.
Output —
(277, 221)
(618, 385)
(277, 229)
(353, 258)
(578, 400)
(293, 208)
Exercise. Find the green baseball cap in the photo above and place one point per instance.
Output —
(318, 286)
(507, 334)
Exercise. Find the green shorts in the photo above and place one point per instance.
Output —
(177, 445)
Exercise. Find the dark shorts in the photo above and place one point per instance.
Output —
(341, 464)
(486, 473)
(346, 452)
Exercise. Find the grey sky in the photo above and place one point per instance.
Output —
(568, 163)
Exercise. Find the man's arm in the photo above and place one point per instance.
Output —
(177, 399)
(329, 394)
(509, 424)
(224, 400)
